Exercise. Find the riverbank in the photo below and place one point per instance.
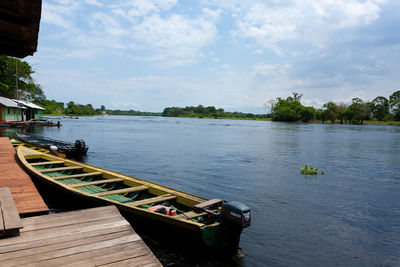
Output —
(393, 123)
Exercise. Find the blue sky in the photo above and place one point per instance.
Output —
(231, 54)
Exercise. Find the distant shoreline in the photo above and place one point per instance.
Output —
(392, 123)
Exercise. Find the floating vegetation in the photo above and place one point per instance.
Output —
(309, 170)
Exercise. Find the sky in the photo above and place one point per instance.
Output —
(232, 54)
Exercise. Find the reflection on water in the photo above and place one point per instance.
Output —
(349, 216)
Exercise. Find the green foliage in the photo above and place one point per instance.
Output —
(52, 107)
(331, 112)
(207, 112)
(27, 89)
(291, 110)
(131, 113)
(357, 112)
(380, 108)
(394, 102)
(309, 170)
(78, 109)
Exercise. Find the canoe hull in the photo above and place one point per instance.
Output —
(216, 236)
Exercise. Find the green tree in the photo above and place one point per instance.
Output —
(394, 102)
(290, 109)
(308, 114)
(13, 71)
(380, 108)
(355, 113)
(341, 112)
(331, 111)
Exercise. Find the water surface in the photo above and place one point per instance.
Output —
(349, 216)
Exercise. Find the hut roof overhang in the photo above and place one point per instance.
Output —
(28, 104)
(19, 27)
(9, 103)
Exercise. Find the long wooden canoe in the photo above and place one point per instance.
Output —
(219, 224)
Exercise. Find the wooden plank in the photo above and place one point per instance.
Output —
(77, 241)
(64, 231)
(77, 238)
(190, 215)
(151, 200)
(97, 182)
(1, 221)
(26, 198)
(56, 221)
(112, 257)
(121, 191)
(61, 169)
(70, 251)
(136, 261)
(201, 206)
(47, 162)
(133, 247)
(77, 175)
(60, 239)
(69, 214)
(10, 217)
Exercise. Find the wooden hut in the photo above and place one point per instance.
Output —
(10, 111)
(33, 111)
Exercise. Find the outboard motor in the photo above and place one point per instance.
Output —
(236, 216)
(80, 147)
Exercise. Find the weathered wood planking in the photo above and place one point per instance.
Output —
(10, 222)
(92, 237)
(26, 198)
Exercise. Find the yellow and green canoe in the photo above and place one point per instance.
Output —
(218, 223)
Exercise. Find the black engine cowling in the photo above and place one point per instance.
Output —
(80, 147)
(236, 214)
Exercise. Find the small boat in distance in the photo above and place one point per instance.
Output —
(71, 150)
(71, 117)
(214, 223)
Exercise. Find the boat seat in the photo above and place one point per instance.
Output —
(62, 169)
(151, 200)
(97, 182)
(77, 175)
(190, 215)
(207, 204)
(46, 162)
(121, 191)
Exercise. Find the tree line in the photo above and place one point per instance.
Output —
(53, 107)
(380, 109)
(208, 112)
(16, 81)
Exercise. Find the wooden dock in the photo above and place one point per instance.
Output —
(27, 199)
(91, 237)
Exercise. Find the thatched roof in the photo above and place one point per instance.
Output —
(19, 27)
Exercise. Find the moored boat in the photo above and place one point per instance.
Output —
(77, 149)
(217, 223)
(16, 143)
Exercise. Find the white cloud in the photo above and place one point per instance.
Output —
(139, 8)
(104, 23)
(270, 23)
(176, 37)
(272, 70)
(94, 3)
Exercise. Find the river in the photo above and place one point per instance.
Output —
(348, 216)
